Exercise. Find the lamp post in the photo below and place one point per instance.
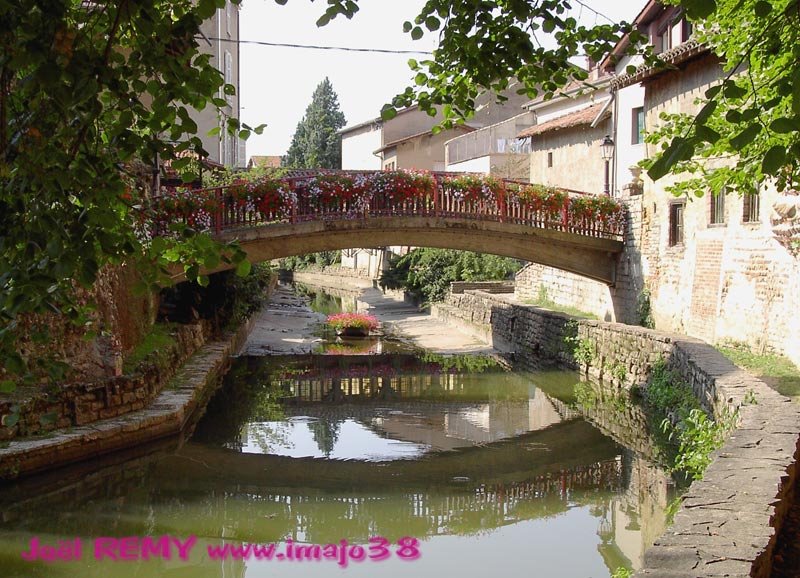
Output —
(607, 151)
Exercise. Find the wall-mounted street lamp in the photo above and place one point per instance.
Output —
(607, 152)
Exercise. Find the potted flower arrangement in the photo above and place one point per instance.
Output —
(352, 324)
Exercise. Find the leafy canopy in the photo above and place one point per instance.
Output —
(748, 126)
(88, 92)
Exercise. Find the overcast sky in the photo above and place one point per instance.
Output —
(276, 83)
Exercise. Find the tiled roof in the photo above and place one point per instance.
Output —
(265, 161)
(671, 58)
(577, 118)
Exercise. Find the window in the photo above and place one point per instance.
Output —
(717, 204)
(228, 16)
(663, 40)
(751, 207)
(637, 125)
(228, 73)
(676, 223)
(687, 29)
(549, 160)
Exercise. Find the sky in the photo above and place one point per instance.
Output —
(276, 83)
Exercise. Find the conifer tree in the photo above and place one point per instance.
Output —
(315, 144)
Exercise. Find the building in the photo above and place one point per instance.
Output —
(359, 143)
(220, 36)
(269, 162)
(721, 268)
(408, 141)
(566, 135)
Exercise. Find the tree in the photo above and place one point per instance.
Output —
(315, 144)
(751, 119)
(88, 92)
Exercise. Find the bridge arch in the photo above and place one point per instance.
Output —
(307, 212)
(592, 257)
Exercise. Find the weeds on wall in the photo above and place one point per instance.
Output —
(644, 312)
(685, 423)
(581, 348)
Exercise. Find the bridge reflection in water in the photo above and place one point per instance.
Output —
(525, 483)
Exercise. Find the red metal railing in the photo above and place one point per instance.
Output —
(302, 196)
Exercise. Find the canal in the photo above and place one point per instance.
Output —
(366, 457)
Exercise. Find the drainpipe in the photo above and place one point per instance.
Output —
(614, 122)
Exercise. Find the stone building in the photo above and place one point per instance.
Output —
(722, 268)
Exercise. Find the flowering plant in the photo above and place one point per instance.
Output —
(471, 188)
(539, 198)
(331, 191)
(402, 185)
(604, 210)
(195, 207)
(341, 321)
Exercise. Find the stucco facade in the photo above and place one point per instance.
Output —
(223, 148)
(730, 281)
(359, 143)
(570, 158)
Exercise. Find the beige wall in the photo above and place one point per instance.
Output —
(425, 152)
(577, 163)
(731, 282)
(224, 24)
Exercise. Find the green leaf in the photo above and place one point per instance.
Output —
(388, 112)
(432, 23)
(784, 125)
(745, 137)
(416, 33)
(243, 268)
(774, 160)
(762, 8)
(679, 149)
(707, 134)
(733, 90)
(699, 9)
(7, 386)
(706, 112)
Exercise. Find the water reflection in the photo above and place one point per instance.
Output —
(491, 470)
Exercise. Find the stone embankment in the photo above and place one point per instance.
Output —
(729, 520)
(158, 400)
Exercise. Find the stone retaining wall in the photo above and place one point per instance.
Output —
(41, 411)
(179, 404)
(729, 520)
(493, 287)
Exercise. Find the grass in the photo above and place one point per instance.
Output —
(574, 311)
(777, 371)
(157, 341)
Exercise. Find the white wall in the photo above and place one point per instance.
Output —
(626, 153)
(357, 149)
(478, 165)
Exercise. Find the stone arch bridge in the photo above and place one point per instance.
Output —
(310, 211)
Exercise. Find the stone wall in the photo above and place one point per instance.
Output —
(729, 520)
(487, 286)
(619, 303)
(41, 411)
(36, 410)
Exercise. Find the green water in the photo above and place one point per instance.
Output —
(487, 470)
(441, 465)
